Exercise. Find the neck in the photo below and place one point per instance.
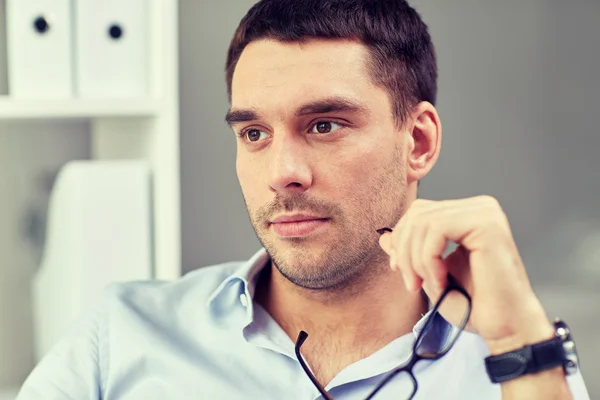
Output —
(346, 324)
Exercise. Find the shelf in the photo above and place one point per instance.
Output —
(24, 109)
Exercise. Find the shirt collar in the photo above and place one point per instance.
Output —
(247, 273)
(231, 302)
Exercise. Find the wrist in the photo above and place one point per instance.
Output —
(534, 329)
(534, 363)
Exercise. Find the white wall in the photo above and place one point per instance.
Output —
(215, 225)
(3, 72)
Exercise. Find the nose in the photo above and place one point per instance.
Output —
(289, 169)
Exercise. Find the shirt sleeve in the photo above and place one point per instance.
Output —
(71, 369)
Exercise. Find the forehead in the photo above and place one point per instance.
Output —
(271, 74)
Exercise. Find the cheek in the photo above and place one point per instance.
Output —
(251, 182)
(354, 175)
(370, 182)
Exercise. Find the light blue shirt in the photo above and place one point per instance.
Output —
(202, 337)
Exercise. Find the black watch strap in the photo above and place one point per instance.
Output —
(527, 360)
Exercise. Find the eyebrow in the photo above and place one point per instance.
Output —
(323, 106)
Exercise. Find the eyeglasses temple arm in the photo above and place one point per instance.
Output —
(301, 338)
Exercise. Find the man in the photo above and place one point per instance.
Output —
(332, 102)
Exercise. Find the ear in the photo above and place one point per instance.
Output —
(423, 142)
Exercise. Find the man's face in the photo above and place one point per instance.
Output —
(318, 138)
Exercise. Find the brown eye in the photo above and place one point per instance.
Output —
(324, 127)
(253, 135)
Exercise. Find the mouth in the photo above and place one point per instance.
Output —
(298, 225)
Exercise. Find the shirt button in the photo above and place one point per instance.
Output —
(244, 300)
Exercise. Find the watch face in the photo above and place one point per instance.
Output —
(571, 358)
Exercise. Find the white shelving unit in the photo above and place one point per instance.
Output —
(18, 109)
(140, 128)
(146, 129)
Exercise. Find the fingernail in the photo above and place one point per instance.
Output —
(381, 231)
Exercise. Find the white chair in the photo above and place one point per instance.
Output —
(99, 231)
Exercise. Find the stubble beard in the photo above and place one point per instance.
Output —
(350, 256)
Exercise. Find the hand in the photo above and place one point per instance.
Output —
(505, 311)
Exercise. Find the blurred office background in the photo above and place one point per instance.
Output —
(518, 91)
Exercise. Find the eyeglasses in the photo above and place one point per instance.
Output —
(456, 296)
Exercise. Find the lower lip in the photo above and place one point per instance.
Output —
(298, 228)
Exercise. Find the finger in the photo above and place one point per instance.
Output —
(416, 238)
(434, 245)
(385, 242)
(432, 291)
(425, 215)
(473, 222)
(401, 244)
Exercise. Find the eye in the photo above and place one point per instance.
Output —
(253, 135)
(324, 127)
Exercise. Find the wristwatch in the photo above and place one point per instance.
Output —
(533, 358)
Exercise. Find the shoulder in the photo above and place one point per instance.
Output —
(117, 326)
(158, 298)
(148, 319)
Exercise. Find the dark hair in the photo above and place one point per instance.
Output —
(402, 55)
